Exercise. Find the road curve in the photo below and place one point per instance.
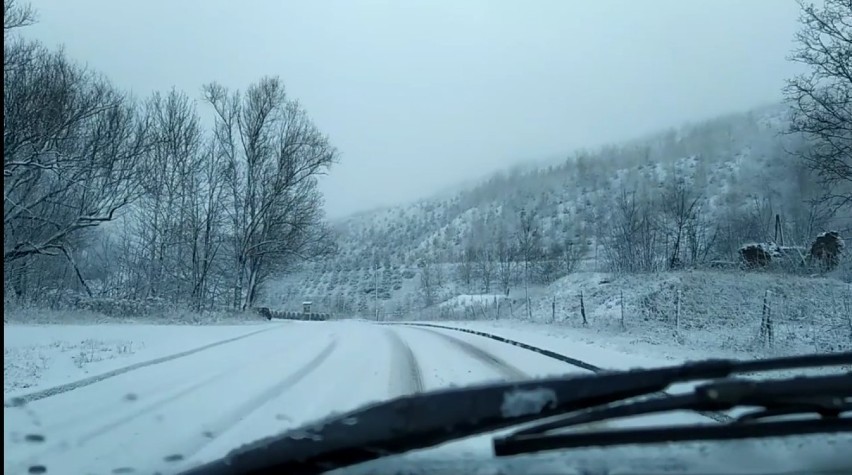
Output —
(189, 409)
(406, 377)
(507, 370)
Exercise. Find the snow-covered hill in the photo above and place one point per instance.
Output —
(737, 169)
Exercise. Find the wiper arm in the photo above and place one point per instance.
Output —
(826, 396)
(426, 420)
(796, 394)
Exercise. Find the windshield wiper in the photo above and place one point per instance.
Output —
(829, 397)
(426, 420)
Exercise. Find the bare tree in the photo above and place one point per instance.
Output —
(822, 98)
(431, 280)
(549, 265)
(162, 215)
(72, 145)
(700, 237)
(632, 241)
(16, 15)
(175, 230)
(571, 254)
(202, 215)
(624, 225)
(680, 208)
(206, 224)
(649, 236)
(805, 214)
(273, 154)
(484, 267)
(503, 253)
(466, 262)
(528, 249)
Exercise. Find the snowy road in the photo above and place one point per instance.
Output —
(199, 405)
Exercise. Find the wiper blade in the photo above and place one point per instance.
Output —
(796, 394)
(426, 420)
(825, 396)
(656, 435)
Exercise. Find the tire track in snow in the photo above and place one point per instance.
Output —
(716, 416)
(64, 388)
(150, 393)
(162, 389)
(124, 419)
(542, 351)
(183, 391)
(406, 377)
(85, 415)
(234, 416)
(504, 368)
(162, 401)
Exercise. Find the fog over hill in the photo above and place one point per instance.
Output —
(684, 197)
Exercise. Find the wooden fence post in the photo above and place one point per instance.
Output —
(677, 312)
(553, 310)
(766, 321)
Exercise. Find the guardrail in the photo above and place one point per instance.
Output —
(269, 314)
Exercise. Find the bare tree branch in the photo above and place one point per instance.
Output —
(821, 99)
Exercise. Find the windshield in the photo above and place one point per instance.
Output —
(226, 221)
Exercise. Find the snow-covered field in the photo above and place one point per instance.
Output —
(680, 313)
(184, 394)
(41, 356)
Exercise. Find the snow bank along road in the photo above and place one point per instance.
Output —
(198, 405)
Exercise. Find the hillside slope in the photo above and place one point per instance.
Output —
(737, 169)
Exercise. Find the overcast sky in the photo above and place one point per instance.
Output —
(419, 95)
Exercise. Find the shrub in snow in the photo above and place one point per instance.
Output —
(264, 312)
(757, 254)
(826, 250)
(762, 255)
(720, 264)
(126, 307)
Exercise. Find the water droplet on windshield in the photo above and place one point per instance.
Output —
(35, 438)
(37, 469)
(130, 397)
(123, 470)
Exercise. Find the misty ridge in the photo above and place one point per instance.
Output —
(689, 197)
(122, 206)
(732, 167)
(654, 238)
